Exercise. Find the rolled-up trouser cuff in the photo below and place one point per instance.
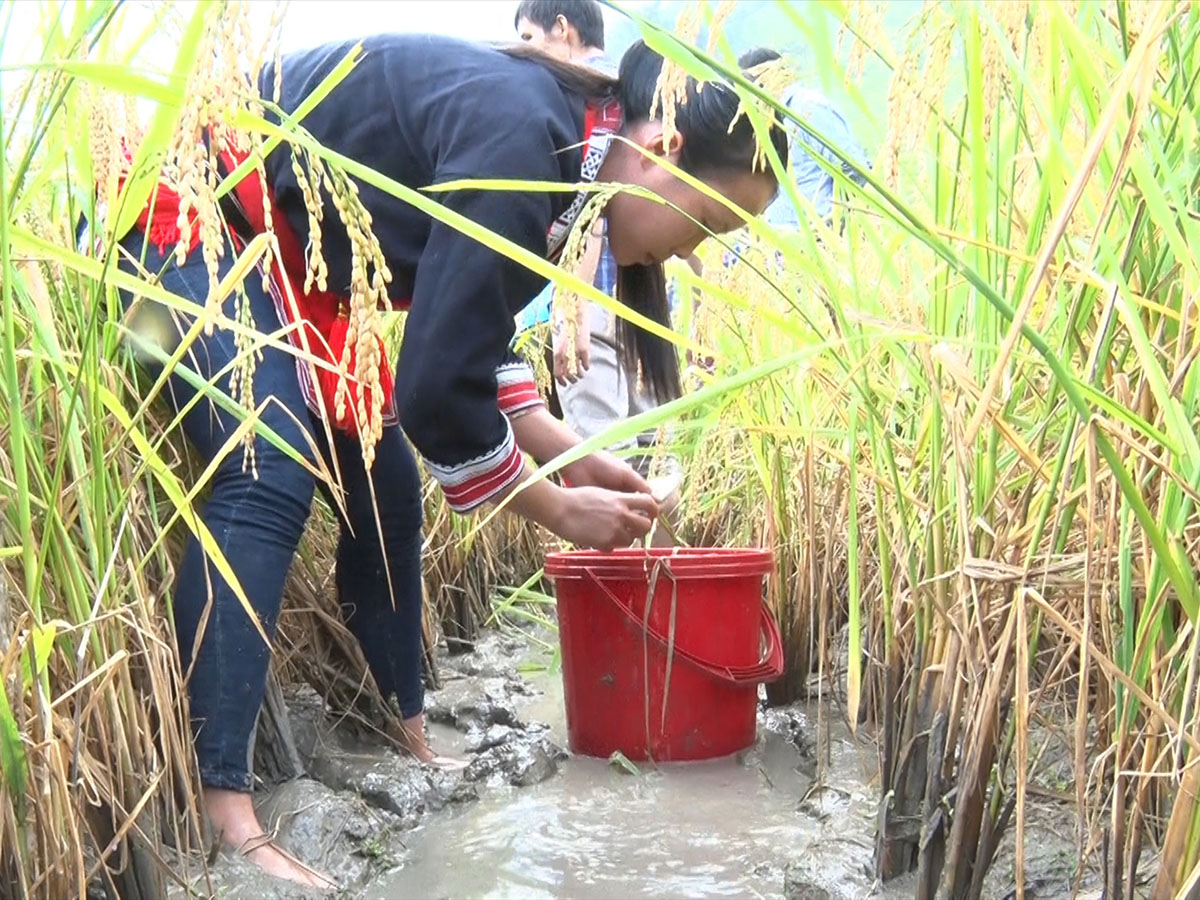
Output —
(225, 779)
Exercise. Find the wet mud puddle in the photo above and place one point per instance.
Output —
(726, 828)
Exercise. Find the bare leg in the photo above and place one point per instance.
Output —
(409, 734)
(234, 819)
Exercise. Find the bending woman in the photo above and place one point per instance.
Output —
(422, 110)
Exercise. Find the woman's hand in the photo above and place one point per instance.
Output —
(586, 516)
(602, 469)
(544, 437)
(604, 520)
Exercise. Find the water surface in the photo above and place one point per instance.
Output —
(725, 828)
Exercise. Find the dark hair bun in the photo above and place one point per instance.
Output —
(704, 120)
(638, 75)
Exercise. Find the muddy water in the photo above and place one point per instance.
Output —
(726, 828)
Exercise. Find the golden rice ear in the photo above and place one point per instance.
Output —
(670, 91)
(671, 88)
(565, 305)
(773, 77)
(369, 278)
(717, 25)
(224, 83)
(104, 141)
(867, 33)
(917, 87)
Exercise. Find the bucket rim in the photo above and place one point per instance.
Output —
(636, 562)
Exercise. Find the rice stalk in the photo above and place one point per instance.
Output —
(963, 419)
(1002, 513)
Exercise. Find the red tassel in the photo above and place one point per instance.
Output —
(165, 235)
(329, 381)
(387, 384)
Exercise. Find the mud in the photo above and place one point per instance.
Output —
(728, 828)
(790, 817)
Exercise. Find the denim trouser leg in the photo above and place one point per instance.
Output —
(390, 635)
(255, 522)
(258, 524)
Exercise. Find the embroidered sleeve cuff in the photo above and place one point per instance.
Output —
(474, 483)
(516, 388)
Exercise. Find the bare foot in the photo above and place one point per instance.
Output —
(410, 735)
(234, 819)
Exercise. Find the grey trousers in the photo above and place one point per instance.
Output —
(606, 393)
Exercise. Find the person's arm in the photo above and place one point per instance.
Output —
(812, 180)
(589, 516)
(448, 391)
(544, 437)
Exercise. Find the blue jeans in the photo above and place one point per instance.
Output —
(258, 523)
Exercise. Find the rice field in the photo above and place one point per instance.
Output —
(963, 415)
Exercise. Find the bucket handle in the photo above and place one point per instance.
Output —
(770, 668)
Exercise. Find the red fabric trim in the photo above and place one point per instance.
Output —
(512, 397)
(589, 123)
(602, 118)
(159, 219)
(465, 497)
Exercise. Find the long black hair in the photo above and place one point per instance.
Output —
(710, 147)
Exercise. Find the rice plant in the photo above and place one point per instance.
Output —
(997, 426)
(963, 415)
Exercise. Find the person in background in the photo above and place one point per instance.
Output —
(571, 30)
(593, 387)
(420, 110)
(811, 179)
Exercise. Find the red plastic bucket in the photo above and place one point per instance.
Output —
(663, 650)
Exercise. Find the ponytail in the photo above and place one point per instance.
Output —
(644, 288)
